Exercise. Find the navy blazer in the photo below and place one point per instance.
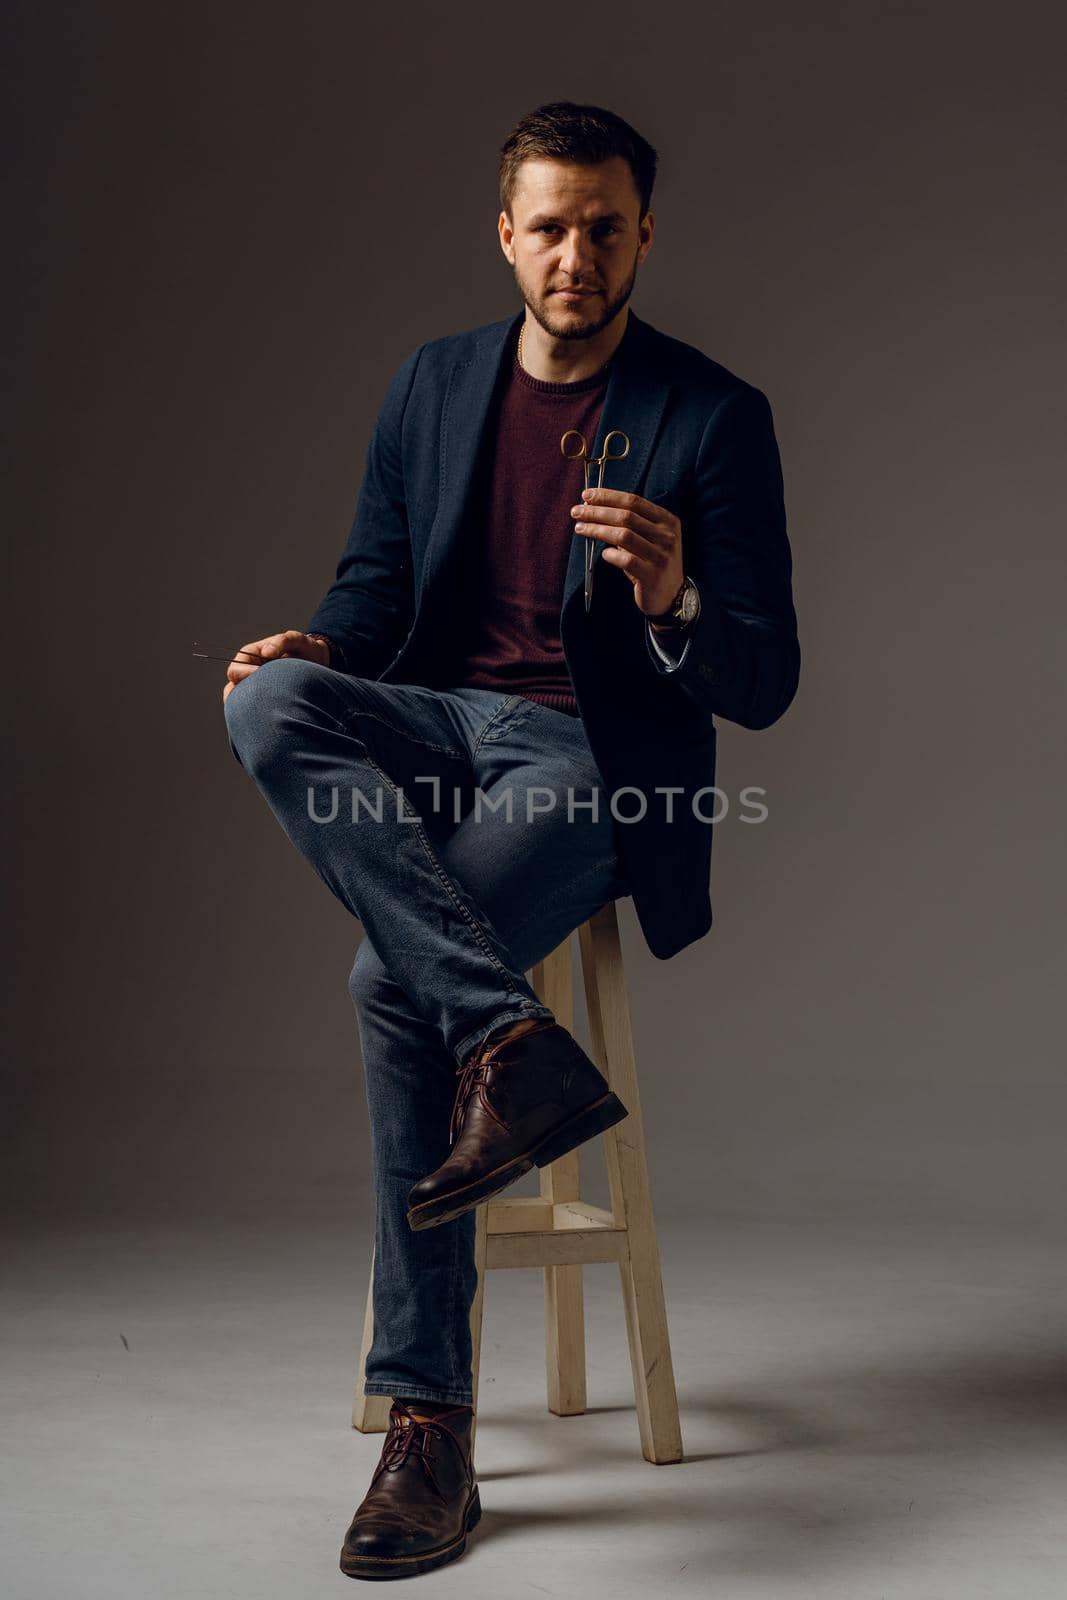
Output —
(702, 444)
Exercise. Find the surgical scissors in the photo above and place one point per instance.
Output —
(589, 462)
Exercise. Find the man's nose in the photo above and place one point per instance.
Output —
(577, 257)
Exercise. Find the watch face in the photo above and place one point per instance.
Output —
(690, 605)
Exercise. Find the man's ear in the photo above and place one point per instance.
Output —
(506, 233)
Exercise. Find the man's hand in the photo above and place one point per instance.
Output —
(290, 643)
(645, 540)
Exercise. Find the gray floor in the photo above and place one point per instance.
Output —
(867, 1413)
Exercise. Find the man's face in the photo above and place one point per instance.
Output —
(575, 227)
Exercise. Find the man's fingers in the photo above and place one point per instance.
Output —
(638, 546)
(640, 538)
(606, 522)
(626, 500)
(277, 644)
(641, 568)
(290, 642)
(243, 662)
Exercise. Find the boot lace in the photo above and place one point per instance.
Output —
(410, 1437)
(472, 1078)
(471, 1082)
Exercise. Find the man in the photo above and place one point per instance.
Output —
(474, 760)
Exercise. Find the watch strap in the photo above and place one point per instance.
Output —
(671, 618)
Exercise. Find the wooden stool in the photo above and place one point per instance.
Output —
(560, 1232)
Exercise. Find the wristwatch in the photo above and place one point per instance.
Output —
(684, 608)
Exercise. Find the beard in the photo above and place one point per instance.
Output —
(540, 309)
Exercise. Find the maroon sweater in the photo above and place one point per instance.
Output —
(514, 645)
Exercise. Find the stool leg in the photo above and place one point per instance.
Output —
(631, 1197)
(481, 1235)
(370, 1412)
(564, 1298)
(565, 1325)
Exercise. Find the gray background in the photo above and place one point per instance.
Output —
(235, 225)
(232, 223)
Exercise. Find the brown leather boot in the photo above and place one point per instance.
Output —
(423, 1497)
(521, 1101)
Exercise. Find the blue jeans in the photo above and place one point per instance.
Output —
(469, 833)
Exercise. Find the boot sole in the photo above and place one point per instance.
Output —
(382, 1567)
(585, 1124)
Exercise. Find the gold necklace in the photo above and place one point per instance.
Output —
(522, 364)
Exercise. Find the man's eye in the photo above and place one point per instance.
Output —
(602, 228)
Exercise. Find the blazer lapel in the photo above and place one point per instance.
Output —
(464, 417)
(634, 402)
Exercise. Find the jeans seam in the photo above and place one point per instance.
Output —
(325, 710)
(448, 887)
(452, 1285)
(512, 703)
(403, 733)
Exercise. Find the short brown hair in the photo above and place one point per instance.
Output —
(564, 131)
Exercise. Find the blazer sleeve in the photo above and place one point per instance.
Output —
(369, 605)
(741, 658)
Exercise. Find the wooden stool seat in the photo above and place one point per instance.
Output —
(560, 1232)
